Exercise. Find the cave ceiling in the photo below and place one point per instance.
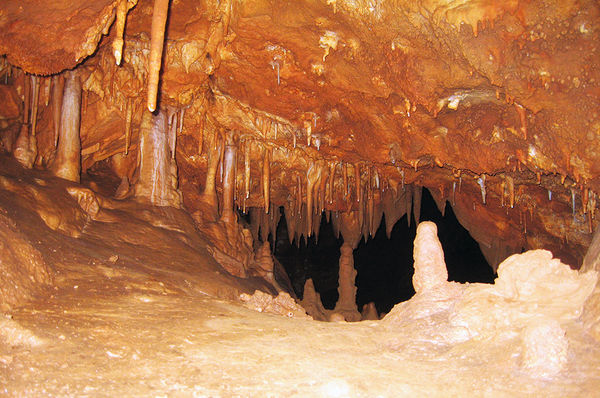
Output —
(493, 106)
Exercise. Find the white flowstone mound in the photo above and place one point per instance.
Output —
(526, 310)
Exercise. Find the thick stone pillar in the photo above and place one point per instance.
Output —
(67, 163)
(346, 304)
(157, 182)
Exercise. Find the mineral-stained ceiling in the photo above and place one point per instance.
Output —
(335, 105)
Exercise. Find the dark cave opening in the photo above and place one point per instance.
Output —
(385, 266)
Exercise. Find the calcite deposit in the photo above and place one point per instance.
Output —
(151, 149)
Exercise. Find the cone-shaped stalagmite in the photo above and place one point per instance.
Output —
(67, 163)
(157, 181)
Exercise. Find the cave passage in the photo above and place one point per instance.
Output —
(385, 266)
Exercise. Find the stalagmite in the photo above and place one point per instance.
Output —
(430, 267)
(159, 20)
(351, 232)
(58, 84)
(266, 178)
(128, 116)
(35, 84)
(228, 215)
(157, 183)
(417, 194)
(67, 163)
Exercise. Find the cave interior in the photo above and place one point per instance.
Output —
(413, 183)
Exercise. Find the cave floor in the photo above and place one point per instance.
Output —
(89, 340)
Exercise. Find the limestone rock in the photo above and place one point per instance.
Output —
(544, 348)
(283, 304)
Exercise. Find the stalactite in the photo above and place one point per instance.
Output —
(47, 90)
(201, 133)
(454, 194)
(573, 202)
(117, 43)
(345, 179)
(523, 117)
(290, 220)
(128, 117)
(357, 181)
(510, 183)
(332, 167)
(57, 97)
(67, 163)
(266, 178)
(323, 188)
(308, 129)
(35, 84)
(221, 157)
(481, 182)
(313, 177)
(228, 215)
(181, 116)
(159, 20)
(210, 193)
(409, 203)
(549, 195)
(417, 195)
(247, 153)
(26, 99)
(402, 175)
(173, 133)
(298, 195)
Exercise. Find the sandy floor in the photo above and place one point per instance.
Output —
(149, 342)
